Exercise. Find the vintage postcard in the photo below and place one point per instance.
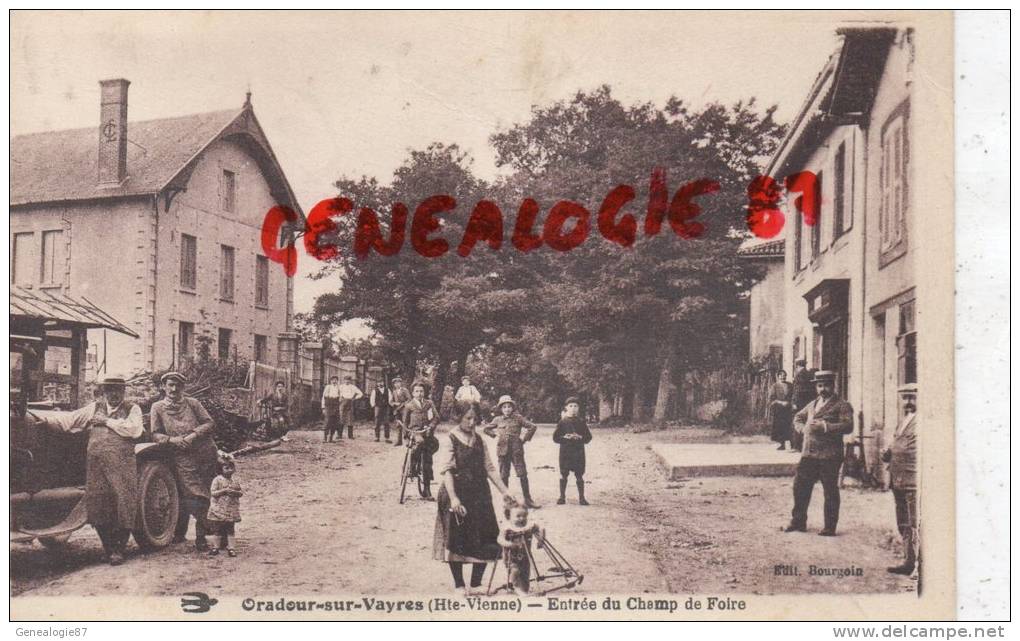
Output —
(481, 315)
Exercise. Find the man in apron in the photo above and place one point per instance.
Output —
(182, 422)
(111, 475)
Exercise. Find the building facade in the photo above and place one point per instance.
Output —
(158, 223)
(849, 278)
(767, 299)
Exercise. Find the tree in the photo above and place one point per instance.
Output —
(663, 301)
(623, 316)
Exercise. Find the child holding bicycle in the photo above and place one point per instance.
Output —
(420, 419)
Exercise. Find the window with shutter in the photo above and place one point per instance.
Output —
(894, 186)
(226, 273)
(52, 268)
(261, 281)
(23, 258)
(185, 339)
(229, 190)
(816, 229)
(189, 261)
(224, 344)
(906, 345)
(840, 219)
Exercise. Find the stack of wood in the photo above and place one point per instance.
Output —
(222, 390)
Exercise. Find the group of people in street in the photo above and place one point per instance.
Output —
(821, 423)
(466, 529)
(203, 474)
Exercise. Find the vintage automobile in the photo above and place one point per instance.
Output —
(47, 468)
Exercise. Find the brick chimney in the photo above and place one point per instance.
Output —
(113, 106)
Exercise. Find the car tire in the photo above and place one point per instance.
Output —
(158, 506)
(55, 542)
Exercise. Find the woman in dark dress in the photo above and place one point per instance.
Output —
(780, 399)
(466, 528)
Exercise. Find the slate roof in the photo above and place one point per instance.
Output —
(45, 304)
(62, 165)
(760, 248)
(843, 92)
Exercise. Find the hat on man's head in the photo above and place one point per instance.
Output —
(800, 361)
(909, 389)
(396, 379)
(113, 381)
(504, 399)
(824, 376)
(465, 378)
(571, 399)
(177, 376)
(348, 378)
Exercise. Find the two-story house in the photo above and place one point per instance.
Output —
(850, 277)
(157, 222)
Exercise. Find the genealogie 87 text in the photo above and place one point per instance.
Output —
(567, 226)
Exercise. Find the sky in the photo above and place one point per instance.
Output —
(351, 93)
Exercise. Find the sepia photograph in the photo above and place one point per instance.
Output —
(426, 315)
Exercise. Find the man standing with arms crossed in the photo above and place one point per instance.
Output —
(182, 422)
(823, 422)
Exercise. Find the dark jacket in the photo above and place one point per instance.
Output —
(572, 450)
(418, 416)
(825, 442)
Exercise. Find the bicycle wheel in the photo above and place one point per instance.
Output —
(423, 485)
(404, 471)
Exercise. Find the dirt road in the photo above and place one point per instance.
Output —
(324, 519)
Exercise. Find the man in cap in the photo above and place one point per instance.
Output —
(182, 422)
(111, 474)
(513, 431)
(400, 397)
(823, 422)
(902, 459)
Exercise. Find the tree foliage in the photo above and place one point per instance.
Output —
(603, 318)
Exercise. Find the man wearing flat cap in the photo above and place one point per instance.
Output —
(823, 422)
(902, 459)
(111, 475)
(182, 422)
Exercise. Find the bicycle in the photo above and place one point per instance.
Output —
(415, 439)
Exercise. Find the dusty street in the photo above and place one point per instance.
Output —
(324, 519)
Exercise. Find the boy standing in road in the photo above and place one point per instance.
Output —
(513, 431)
(572, 434)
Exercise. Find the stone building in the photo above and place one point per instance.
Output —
(156, 222)
(767, 301)
(850, 279)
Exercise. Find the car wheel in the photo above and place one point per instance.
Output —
(55, 542)
(158, 506)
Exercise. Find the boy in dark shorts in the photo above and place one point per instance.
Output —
(572, 434)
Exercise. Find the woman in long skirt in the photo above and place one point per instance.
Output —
(780, 398)
(466, 527)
